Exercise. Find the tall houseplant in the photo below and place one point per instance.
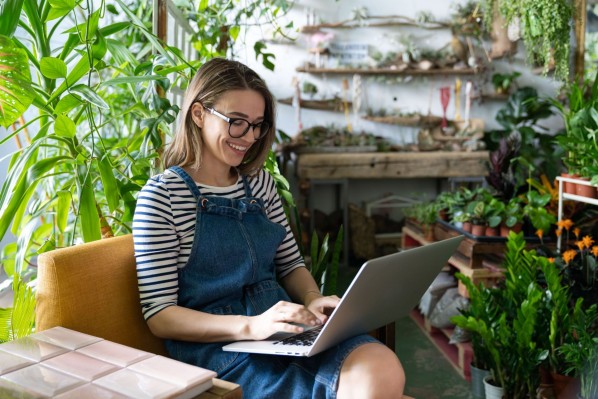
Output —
(507, 325)
(95, 104)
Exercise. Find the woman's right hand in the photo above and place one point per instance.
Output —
(282, 317)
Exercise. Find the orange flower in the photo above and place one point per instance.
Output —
(595, 250)
(550, 260)
(565, 223)
(540, 233)
(559, 232)
(576, 231)
(588, 241)
(580, 244)
(569, 255)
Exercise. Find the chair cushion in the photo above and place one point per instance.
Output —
(92, 288)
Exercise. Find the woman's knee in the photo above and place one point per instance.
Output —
(372, 369)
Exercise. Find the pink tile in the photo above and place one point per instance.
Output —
(32, 349)
(171, 370)
(10, 362)
(10, 390)
(114, 353)
(90, 391)
(42, 380)
(80, 366)
(65, 338)
(137, 385)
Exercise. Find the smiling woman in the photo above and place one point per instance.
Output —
(217, 261)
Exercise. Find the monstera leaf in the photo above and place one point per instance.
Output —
(16, 94)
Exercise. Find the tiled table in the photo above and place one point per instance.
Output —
(62, 363)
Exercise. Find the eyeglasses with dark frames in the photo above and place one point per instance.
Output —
(238, 127)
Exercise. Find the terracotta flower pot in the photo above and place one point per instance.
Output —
(466, 227)
(584, 190)
(569, 187)
(492, 231)
(504, 229)
(478, 230)
(564, 386)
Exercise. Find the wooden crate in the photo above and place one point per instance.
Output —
(472, 252)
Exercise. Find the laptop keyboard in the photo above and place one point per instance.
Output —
(306, 338)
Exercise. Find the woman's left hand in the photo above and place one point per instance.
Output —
(321, 306)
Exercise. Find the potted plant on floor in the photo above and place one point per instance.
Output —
(514, 307)
(478, 308)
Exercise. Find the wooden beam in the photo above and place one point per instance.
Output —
(394, 165)
(580, 22)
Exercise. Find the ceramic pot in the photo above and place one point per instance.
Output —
(477, 382)
(492, 391)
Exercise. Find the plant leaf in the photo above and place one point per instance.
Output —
(16, 93)
(109, 182)
(89, 95)
(88, 214)
(63, 206)
(53, 68)
(10, 11)
(64, 126)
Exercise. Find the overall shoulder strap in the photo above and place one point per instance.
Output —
(187, 179)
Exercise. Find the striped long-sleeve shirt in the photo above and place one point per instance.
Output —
(164, 227)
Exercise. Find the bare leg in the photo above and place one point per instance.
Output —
(371, 371)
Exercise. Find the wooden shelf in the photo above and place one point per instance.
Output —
(394, 165)
(351, 24)
(459, 354)
(388, 71)
(413, 120)
(333, 105)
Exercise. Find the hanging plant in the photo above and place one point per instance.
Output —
(545, 26)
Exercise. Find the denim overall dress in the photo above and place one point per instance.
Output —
(231, 271)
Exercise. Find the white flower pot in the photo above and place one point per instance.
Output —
(492, 391)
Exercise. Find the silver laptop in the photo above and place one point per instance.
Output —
(384, 290)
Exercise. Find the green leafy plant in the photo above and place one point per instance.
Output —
(520, 120)
(502, 82)
(545, 26)
(580, 141)
(507, 324)
(100, 114)
(536, 210)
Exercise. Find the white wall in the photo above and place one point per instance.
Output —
(413, 94)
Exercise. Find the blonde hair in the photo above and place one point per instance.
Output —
(212, 80)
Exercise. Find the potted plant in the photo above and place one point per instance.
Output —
(478, 309)
(579, 141)
(512, 217)
(503, 82)
(536, 211)
(570, 326)
(495, 214)
(508, 323)
(424, 215)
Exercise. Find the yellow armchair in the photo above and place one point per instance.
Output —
(92, 288)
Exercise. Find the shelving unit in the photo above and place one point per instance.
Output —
(388, 71)
(572, 197)
(460, 354)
